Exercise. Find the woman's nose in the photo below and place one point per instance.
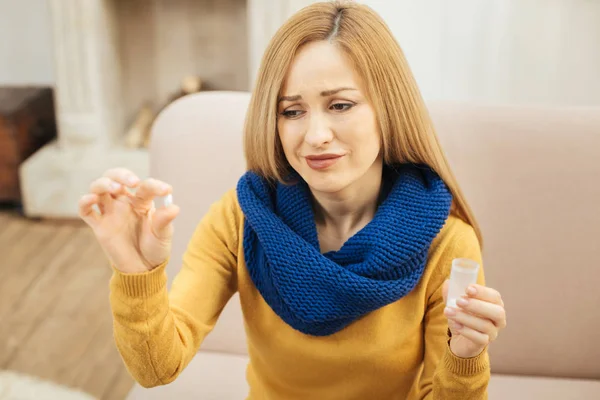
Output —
(319, 131)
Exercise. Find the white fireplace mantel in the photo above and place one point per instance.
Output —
(88, 101)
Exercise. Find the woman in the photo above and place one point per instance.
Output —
(339, 238)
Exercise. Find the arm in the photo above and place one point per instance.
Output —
(157, 333)
(446, 376)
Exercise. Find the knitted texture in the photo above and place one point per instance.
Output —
(320, 294)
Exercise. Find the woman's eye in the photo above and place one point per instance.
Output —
(292, 113)
(341, 106)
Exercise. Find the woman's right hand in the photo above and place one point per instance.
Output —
(135, 236)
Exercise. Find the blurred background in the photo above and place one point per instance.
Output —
(81, 82)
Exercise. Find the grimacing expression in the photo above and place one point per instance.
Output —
(327, 127)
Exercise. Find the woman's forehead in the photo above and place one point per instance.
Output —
(320, 66)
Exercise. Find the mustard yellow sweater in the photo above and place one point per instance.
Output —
(397, 352)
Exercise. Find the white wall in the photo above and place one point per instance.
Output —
(25, 43)
(544, 52)
(500, 51)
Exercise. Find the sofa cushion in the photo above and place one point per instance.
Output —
(512, 387)
(531, 174)
(210, 376)
(220, 376)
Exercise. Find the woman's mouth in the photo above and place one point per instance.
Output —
(322, 161)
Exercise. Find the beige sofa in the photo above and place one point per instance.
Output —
(532, 176)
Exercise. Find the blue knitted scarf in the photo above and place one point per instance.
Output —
(320, 294)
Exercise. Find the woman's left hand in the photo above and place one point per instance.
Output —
(476, 321)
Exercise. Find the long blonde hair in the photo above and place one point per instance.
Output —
(408, 135)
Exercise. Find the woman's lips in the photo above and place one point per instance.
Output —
(322, 161)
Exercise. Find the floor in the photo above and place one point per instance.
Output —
(55, 320)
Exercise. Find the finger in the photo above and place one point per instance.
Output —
(86, 209)
(107, 190)
(491, 311)
(485, 293)
(477, 337)
(454, 326)
(105, 203)
(105, 185)
(150, 188)
(123, 176)
(162, 219)
(471, 321)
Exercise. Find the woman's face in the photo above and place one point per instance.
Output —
(326, 125)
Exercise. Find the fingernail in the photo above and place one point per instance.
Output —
(449, 311)
(132, 180)
(115, 186)
(164, 187)
(472, 291)
(462, 302)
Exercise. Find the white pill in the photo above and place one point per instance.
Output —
(96, 209)
(168, 200)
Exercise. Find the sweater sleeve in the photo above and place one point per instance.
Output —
(444, 375)
(158, 333)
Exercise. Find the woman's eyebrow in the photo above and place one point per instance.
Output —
(334, 91)
(324, 93)
(289, 98)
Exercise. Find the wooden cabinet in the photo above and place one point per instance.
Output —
(27, 122)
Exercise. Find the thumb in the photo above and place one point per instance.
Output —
(451, 324)
(161, 221)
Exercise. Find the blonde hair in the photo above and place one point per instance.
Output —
(408, 135)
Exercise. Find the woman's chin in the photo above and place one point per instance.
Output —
(324, 181)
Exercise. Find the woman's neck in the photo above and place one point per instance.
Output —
(340, 215)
